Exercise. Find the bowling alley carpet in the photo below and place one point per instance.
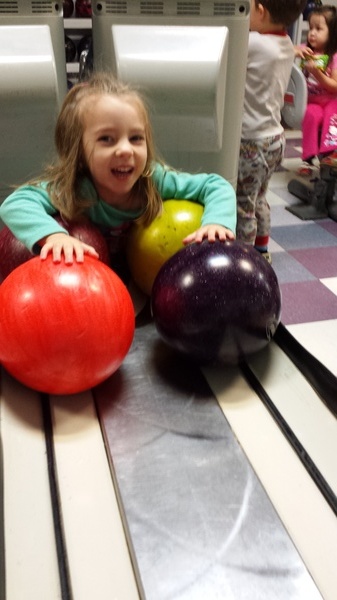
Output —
(304, 255)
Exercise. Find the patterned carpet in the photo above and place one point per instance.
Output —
(304, 255)
(304, 252)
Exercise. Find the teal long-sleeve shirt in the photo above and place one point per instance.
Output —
(28, 211)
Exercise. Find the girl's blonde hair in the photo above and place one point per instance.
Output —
(65, 175)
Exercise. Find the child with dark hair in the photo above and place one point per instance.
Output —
(319, 64)
(270, 60)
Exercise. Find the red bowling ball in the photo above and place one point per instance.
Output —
(216, 302)
(13, 252)
(83, 8)
(68, 8)
(64, 328)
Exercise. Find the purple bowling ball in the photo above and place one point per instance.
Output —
(216, 302)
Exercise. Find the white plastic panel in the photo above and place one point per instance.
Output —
(183, 70)
(197, 91)
(29, 101)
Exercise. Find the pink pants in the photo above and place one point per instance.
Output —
(319, 129)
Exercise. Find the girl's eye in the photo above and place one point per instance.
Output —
(106, 139)
(138, 138)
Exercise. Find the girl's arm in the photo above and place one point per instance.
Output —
(212, 191)
(328, 83)
(28, 213)
(303, 52)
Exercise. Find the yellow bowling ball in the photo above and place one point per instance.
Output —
(149, 247)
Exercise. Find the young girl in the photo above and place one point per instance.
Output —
(319, 64)
(106, 171)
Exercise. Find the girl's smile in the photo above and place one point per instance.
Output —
(115, 148)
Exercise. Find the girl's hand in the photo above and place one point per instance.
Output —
(311, 67)
(303, 53)
(61, 244)
(210, 232)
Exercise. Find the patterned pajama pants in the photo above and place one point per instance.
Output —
(257, 162)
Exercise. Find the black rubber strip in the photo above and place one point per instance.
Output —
(320, 378)
(301, 452)
(61, 549)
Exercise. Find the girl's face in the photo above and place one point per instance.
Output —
(318, 35)
(115, 148)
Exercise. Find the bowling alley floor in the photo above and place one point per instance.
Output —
(304, 255)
